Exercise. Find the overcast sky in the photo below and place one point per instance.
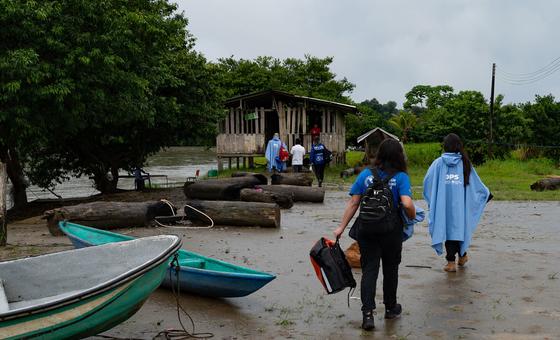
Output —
(387, 47)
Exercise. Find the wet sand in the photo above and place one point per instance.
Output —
(510, 289)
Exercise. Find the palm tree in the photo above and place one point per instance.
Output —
(404, 121)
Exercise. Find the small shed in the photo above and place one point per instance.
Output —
(372, 139)
(253, 119)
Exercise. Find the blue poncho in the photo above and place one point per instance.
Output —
(455, 210)
(272, 152)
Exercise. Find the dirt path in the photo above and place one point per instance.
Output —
(509, 289)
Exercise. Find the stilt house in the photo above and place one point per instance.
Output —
(371, 140)
(252, 120)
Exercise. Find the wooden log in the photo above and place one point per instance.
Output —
(284, 201)
(3, 219)
(225, 189)
(231, 213)
(262, 178)
(298, 193)
(300, 179)
(551, 183)
(349, 172)
(102, 215)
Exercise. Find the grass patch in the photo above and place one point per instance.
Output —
(508, 179)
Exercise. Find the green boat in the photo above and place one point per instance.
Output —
(199, 275)
(82, 292)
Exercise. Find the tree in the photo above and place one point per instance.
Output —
(544, 115)
(404, 122)
(310, 77)
(426, 97)
(97, 86)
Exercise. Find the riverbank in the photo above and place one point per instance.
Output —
(507, 291)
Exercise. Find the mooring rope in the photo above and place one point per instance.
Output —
(172, 207)
(179, 334)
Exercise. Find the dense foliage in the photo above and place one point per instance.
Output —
(91, 87)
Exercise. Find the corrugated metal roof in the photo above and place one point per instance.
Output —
(290, 95)
(367, 134)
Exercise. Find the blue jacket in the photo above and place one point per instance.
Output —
(455, 210)
(409, 223)
(316, 155)
(271, 154)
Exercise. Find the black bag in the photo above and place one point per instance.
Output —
(331, 266)
(327, 155)
(378, 214)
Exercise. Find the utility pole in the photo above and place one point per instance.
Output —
(491, 137)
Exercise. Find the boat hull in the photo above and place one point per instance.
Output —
(90, 316)
(196, 281)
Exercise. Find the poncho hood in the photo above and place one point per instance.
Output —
(451, 159)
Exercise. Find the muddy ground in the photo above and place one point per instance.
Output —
(510, 289)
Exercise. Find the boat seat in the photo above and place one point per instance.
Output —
(4, 306)
(39, 301)
(193, 263)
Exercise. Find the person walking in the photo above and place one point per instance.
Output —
(297, 152)
(318, 160)
(456, 198)
(381, 241)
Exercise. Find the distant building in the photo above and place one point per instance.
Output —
(372, 139)
(252, 120)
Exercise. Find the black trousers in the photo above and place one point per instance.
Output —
(296, 168)
(451, 248)
(388, 249)
(319, 170)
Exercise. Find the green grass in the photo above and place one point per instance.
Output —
(508, 179)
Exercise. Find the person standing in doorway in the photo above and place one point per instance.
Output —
(456, 198)
(315, 132)
(317, 157)
(297, 151)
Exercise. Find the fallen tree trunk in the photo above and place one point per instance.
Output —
(262, 178)
(231, 213)
(102, 215)
(224, 189)
(300, 179)
(298, 193)
(284, 201)
(551, 183)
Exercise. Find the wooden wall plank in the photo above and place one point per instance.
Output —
(3, 219)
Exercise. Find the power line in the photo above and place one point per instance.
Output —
(530, 74)
(530, 78)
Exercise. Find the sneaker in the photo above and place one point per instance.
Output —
(450, 267)
(368, 324)
(394, 312)
(463, 260)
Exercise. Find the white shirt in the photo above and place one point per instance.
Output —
(297, 152)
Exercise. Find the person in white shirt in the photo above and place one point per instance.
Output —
(297, 152)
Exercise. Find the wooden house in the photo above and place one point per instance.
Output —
(371, 140)
(252, 120)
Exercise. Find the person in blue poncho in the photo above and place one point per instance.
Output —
(389, 165)
(456, 198)
(272, 154)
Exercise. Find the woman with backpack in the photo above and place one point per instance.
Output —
(379, 193)
(456, 198)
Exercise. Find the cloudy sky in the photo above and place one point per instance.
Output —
(387, 47)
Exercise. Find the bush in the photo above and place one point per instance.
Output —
(422, 154)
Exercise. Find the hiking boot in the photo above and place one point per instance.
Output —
(394, 312)
(450, 267)
(368, 324)
(463, 260)
(320, 184)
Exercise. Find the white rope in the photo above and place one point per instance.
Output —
(172, 207)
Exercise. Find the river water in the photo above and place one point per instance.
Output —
(176, 163)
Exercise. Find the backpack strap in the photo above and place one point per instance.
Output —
(377, 176)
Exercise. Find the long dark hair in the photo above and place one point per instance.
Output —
(452, 143)
(390, 157)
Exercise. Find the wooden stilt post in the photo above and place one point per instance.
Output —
(251, 162)
(237, 159)
(220, 164)
(229, 162)
(3, 218)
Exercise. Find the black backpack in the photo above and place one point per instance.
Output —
(378, 213)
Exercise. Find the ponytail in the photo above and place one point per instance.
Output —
(452, 143)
